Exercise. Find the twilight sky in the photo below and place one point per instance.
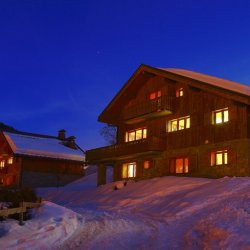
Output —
(61, 62)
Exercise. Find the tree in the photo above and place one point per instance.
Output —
(109, 133)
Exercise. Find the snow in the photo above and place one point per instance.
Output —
(51, 226)
(161, 213)
(43, 147)
(219, 82)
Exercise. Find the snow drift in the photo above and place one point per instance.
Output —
(161, 213)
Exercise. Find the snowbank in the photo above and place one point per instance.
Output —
(50, 227)
(161, 213)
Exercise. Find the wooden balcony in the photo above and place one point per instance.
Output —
(150, 108)
(125, 150)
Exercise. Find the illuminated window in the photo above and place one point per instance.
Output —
(179, 124)
(179, 92)
(179, 165)
(129, 170)
(219, 158)
(137, 134)
(10, 160)
(2, 164)
(220, 116)
(154, 95)
(146, 164)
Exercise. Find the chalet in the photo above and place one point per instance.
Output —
(39, 160)
(176, 122)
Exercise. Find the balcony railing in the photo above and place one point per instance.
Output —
(153, 144)
(163, 103)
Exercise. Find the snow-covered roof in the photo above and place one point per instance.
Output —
(48, 147)
(218, 82)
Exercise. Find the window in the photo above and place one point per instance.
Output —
(179, 92)
(154, 95)
(10, 160)
(137, 134)
(179, 165)
(179, 124)
(146, 164)
(2, 164)
(129, 170)
(220, 116)
(219, 157)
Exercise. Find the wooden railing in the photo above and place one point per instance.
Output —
(19, 210)
(159, 104)
(123, 149)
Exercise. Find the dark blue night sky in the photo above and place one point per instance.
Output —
(61, 62)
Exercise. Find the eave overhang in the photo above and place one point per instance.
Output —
(145, 72)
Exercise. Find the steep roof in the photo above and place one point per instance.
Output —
(237, 91)
(216, 81)
(42, 146)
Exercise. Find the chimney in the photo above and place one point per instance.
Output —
(71, 142)
(62, 134)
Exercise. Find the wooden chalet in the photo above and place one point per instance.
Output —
(176, 122)
(34, 160)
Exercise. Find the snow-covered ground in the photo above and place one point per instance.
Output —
(161, 213)
(50, 227)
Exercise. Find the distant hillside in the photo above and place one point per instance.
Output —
(7, 127)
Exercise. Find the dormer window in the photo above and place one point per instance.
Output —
(179, 92)
(220, 116)
(154, 95)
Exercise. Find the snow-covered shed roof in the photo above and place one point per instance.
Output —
(42, 146)
(215, 81)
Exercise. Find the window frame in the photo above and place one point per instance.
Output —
(155, 94)
(10, 160)
(214, 157)
(179, 92)
(224, 116)
(2, 164)
(127, 165)
(133, 132)
(186, 125)
(184, 160)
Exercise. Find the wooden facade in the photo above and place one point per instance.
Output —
(195, 125)
(37, 168)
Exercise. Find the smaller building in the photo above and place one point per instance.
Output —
(36, 160)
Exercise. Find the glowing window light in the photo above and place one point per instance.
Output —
(10, 160)
(221, 116)
(2, 164)
(137, 134)
(146, 164)
(179, 92)
(129, 170)
(181, 165)
(219, 158)
(179, 124)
